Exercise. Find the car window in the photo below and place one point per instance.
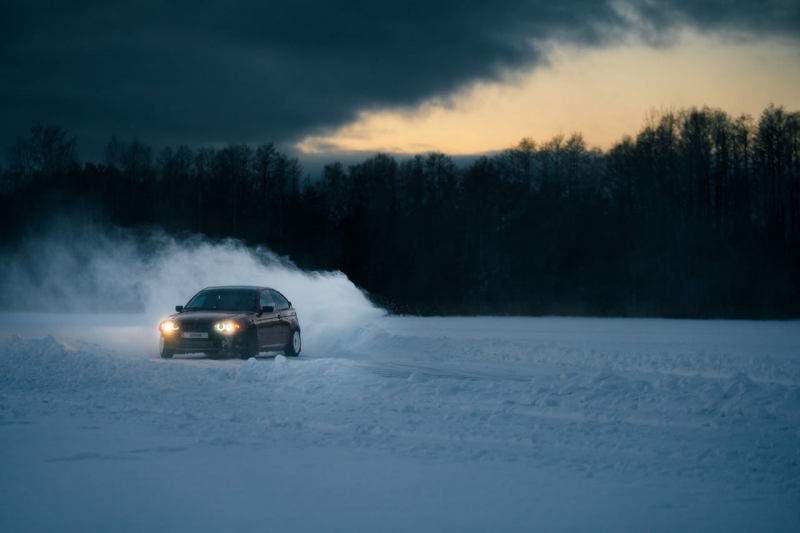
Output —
(223, 300)
(281, 303)
(266, 299)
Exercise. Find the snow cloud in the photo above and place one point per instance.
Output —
(76, 268)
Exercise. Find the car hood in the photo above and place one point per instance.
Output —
(192, 316)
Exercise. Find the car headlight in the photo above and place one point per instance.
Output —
(169, 326)
(227, 327)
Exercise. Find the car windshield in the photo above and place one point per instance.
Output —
(223, 300)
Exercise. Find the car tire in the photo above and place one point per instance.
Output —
(163, 351)
(295, 345)
(249, 345)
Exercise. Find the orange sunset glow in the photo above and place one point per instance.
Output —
(603, 93)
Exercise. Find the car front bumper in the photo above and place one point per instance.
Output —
(215, 343)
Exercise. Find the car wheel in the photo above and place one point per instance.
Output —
(295, 344)
(250, 345)
(164, 352)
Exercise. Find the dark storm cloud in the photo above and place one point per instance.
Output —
(772, 17)
(201, 72)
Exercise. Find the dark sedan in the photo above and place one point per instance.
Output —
(238, 321)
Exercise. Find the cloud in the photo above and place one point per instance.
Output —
(215, 72)
(772, 17)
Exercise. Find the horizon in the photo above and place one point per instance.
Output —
(313, 163)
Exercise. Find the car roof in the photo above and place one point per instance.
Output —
(239, 287)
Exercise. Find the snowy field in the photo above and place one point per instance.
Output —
(406, 424)
(390, 424)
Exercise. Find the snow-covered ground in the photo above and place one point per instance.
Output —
(405, 424)
(390, 424)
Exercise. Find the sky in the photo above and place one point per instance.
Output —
(325, 78)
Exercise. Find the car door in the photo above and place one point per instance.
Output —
(268, 322)
(283, 329)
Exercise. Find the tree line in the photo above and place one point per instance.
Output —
(698, 215)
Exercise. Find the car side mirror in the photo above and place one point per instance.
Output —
(179, 308)
(267, 309)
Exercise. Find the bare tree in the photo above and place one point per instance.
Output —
(49, 152)
(519, 163)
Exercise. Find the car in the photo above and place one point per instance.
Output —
(238, 321)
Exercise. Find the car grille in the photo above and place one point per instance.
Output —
(200, 325)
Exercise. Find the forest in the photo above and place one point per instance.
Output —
(696, 216)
